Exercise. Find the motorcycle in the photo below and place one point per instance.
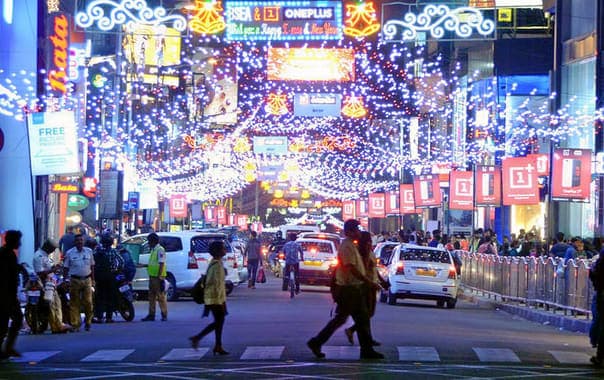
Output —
(36, 309)
(125, 301)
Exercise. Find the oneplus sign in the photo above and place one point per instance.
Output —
(461, 195)
(348, 210)
(178, 206)
(520, 186)
(377, 205)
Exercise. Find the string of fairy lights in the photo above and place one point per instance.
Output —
(160, 142)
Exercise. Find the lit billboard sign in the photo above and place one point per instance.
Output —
(58, 36)
(310, 64)
(317, 105)
(283, 20)
(270, 145)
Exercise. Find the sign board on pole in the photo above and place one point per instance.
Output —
(427, 191)
(461, 190)
(488, 186)
(110, 201)
(348, 210)
(376, 205)
(520, 185)
(571, 174)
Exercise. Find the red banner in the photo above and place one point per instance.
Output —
(392, 203)
(461, 190)
(407, 200)
(364, 222)
(221, 215)
(348, 210)
(427, 191)
(377, 206)
(488, 185)
(520, 186)
(209, 214)
(241, 221)
(541, 163)
(178, 206)
(571, 174)
(361, 208)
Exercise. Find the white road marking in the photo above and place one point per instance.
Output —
(418, 354)
(107, 356)
(496, 355)
(262, 352)
(177, 354)
(341, 352)
(570, 357)
(34, 356)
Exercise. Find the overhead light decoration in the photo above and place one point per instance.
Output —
(276, 104)
(361, 20)
(208, 18)
(354, 107)
(438, 19)
(128, 12)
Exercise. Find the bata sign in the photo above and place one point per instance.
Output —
(283, 20)
(64, 187)
(58, 35)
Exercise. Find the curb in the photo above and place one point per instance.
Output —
(565, 322)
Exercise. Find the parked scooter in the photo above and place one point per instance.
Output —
(125, 300)
(36, 310)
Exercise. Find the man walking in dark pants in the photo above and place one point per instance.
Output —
(350, 276)
(10, 309)
(253, 252)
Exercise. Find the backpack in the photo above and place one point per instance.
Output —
(197, 292)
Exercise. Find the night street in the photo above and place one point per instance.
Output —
(266, 332)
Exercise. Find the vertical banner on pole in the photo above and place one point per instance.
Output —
(209, 214)
(520, 185)
(377, 207)
(361, 208)
(348, 210)
(488, 186)
(392, 203)
(461, 190)
(407, 200)
(427, 191)
(178, 206)
(221, 215)
(571, 175)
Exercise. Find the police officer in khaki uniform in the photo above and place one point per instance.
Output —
(78, 267)
(157, 274)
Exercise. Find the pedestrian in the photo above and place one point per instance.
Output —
(108, 263)
(293, 255)
(559, 247)
(78, 268)
(10, 309)
(67, 241)
(370, 263)
(157, 271)
(574, 250)
(214, 298)
(350, 277)
(44, 268)
(253, 252)
(596, 275)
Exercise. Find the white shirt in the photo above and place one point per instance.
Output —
(79, 262)
(42, 261)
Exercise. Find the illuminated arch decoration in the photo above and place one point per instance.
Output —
(128, 12)
(208, 18)
(438, 19)
(276, 104)
(361, 20)
(354, 107)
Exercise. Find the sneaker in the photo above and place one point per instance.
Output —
(148, 318)
(315, 347)
(372, 355)
(349, 335)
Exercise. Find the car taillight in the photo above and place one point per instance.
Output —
(400, 268)
(264, 251)
(452, 273)
(281, 256)
(313, 250)
(192, 261)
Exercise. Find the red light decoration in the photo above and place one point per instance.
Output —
(208, 18)
(276, 104)
(354, 107)
(361, 20)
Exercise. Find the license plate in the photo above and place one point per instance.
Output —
(124, 288)
(313, 263)
(425, 272)
(33, 293)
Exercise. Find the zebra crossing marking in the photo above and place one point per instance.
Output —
(417, 354)
(496, 355)
(34, 356)
(182, 354)
(342, 352)
(570, 357)
(262, 352)
(107, 356)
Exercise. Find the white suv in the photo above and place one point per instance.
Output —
(187, 253)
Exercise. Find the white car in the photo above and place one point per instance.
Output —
(335, 238)
(320, 258)
(419, 272)
(187, 259)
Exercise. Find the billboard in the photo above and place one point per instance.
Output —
(461, 190)
(317, 105)
(362, 209)
(427, 191)
(178, 206)
(310, 64)
(270, 145)
(541, 163)
(488, 185)
(520, 185)
(571, 174)
(392, 203)
(348, 210)
(283, 20)
(53, 143)
(377, 206)
(407, 200)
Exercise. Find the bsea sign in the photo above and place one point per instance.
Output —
(64, 187)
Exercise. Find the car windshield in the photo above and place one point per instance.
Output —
(426, 255)
(170, 243)
(308, 246)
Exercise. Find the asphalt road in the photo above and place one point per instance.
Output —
(266, 332)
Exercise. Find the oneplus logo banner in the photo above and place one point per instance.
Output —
(407, 200)
(392, 203)
(178, 206)
(427, 191)
(520, 185)
(377, 205)
(571, 174)
(488, 185)
(348, 210)
(461, 195)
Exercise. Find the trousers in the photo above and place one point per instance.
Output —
(80, 292)
(157, 295)
(218, 313)
(10, 311)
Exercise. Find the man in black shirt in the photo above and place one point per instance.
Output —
(10, 309)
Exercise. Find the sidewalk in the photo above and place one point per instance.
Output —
(579, 323)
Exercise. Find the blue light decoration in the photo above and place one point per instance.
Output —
(7, 11)
(436, 20)
(283, 20)
(128, 12)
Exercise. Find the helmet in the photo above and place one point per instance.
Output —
(106, 239)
